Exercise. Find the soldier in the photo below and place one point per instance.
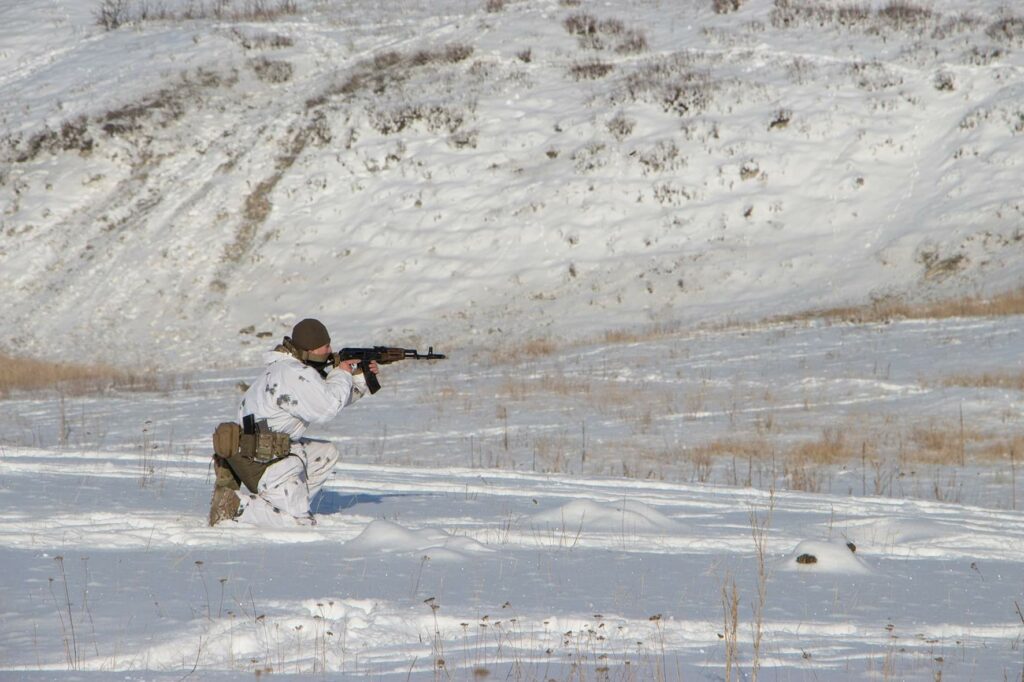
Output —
(298, 387)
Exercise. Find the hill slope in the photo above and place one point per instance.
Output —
(433, 170)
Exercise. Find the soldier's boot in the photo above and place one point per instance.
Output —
(224, 504)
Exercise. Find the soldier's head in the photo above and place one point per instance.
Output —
(311, 337)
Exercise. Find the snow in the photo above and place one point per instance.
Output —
(436, 541)
(508, 207)
(547, 503)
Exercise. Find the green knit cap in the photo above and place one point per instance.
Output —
(310, 334)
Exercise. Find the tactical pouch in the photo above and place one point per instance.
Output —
(264, 448)
(226, 438)
(249, 452)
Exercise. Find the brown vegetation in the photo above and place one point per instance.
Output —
(603, 34)
(1013, 381)
(893, 308)
(591, 70)
(112, 14)
(26, 374)
(896, 15)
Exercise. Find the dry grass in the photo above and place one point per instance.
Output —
(745, 448)
(530, 349)
(1013, 381)
(26, 374)
(833, 447)
(892, 308)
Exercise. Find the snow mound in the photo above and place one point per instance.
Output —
(895, 531)
(382, 536)
(635, 517)
(824, 557)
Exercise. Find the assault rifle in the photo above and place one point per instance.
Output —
(382, 355)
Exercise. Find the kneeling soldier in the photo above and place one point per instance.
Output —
(282, 470)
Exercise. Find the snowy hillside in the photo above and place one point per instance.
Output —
(467, 172)
(509, 180)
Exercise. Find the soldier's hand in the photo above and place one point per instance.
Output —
(373, 366)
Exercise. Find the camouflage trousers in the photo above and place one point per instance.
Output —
(286, 487)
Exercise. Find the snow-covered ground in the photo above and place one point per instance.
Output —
(555, 511)
(551, 502)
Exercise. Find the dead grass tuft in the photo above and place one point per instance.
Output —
(832, 447)
(726, 6)
(271, 70)
(590, 70)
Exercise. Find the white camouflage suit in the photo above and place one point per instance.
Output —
(291, 395)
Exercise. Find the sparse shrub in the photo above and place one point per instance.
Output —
(112, 14)
(456, 52)
(631, 42)
(581, 24)
(726, 6)
(525, 56)
(960, 23)
(620, 126)
(436, 117)
(271, 71)
(73, 136)
(944, 82)
(494, 5)
(1009, 30)
(800, 69)
(749, 170)
(874, 76)
(570, 3)
(262, 10)
(853, 15)
(670, 83)
(589, 157)
(668, 194)
(598, 35)
(386, 69)
(900, 14)
(982, 56)
(591, 70)
(896, 15)
(937, 268)
(781, 120)
(662, 157)
(261, 40)
(463, 139)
